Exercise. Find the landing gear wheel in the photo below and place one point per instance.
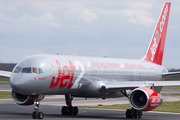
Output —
(75, 110)
(135, 114)
(34, 115)
(37, 114)
(128, 113)
(69, 110)
(64, 110)
(139, 114)
(40, 115)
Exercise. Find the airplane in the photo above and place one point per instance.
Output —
(141, 81)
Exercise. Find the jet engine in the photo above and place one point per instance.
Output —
(145, 99)
(24, 99)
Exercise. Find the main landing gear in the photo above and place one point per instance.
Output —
(37, 114)
(132, 113)
(69, 109)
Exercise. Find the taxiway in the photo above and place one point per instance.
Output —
(51, 107)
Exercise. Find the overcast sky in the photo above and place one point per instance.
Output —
(114, 28)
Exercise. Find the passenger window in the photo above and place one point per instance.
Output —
(40, 70)
(17, 70)
(26, 70)
(35, 70)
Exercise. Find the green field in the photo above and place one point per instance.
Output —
(164, 107)
(4, 95)
(172, 87)
(4, 80)
(170, 94)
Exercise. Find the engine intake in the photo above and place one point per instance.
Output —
(145, 99)
(24, 99)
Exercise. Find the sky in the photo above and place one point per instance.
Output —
(114, 28)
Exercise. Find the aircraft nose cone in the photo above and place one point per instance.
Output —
(27, 84)
(19, 84)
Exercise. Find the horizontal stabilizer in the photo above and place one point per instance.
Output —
(171, 74)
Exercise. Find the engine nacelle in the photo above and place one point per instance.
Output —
(21, 99)
(145, 99)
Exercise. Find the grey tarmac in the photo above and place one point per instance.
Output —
(13, 111)
(51, 107)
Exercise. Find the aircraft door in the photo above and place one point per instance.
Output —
(52, 68)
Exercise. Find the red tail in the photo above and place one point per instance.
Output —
(156, 47)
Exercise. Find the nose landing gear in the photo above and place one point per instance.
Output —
(37, 114)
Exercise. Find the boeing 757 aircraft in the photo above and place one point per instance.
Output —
(141, 81)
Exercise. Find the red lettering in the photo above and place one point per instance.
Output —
(65, 76)
(54, 84)
(134, 65)
(72, 68)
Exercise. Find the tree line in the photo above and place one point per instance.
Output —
(7, 66)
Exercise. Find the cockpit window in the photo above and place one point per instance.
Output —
(17, 70)
(35, 70)
(40, 70)
(26, 70)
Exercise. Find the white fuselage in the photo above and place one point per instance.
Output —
(79, 76)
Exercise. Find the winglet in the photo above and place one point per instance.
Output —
(156, 48)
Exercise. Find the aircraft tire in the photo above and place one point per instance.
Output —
(135, 114)
(75, 110)
(128, 113)
(40, 115)
(34, 115)
(64, 110)
(139, 114)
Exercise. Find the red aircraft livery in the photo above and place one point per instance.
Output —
(67, 74)
(140, 81)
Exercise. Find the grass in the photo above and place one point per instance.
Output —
(4, 95)
(164, 107)
(4, 80)
(172, 87)
(171, 94)
(169, 107)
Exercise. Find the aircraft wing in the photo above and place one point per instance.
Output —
(5, 73)
(170, 74)
(135, 84)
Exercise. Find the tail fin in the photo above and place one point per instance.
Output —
(156, 48)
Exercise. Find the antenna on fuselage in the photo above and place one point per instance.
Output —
(106, 56)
